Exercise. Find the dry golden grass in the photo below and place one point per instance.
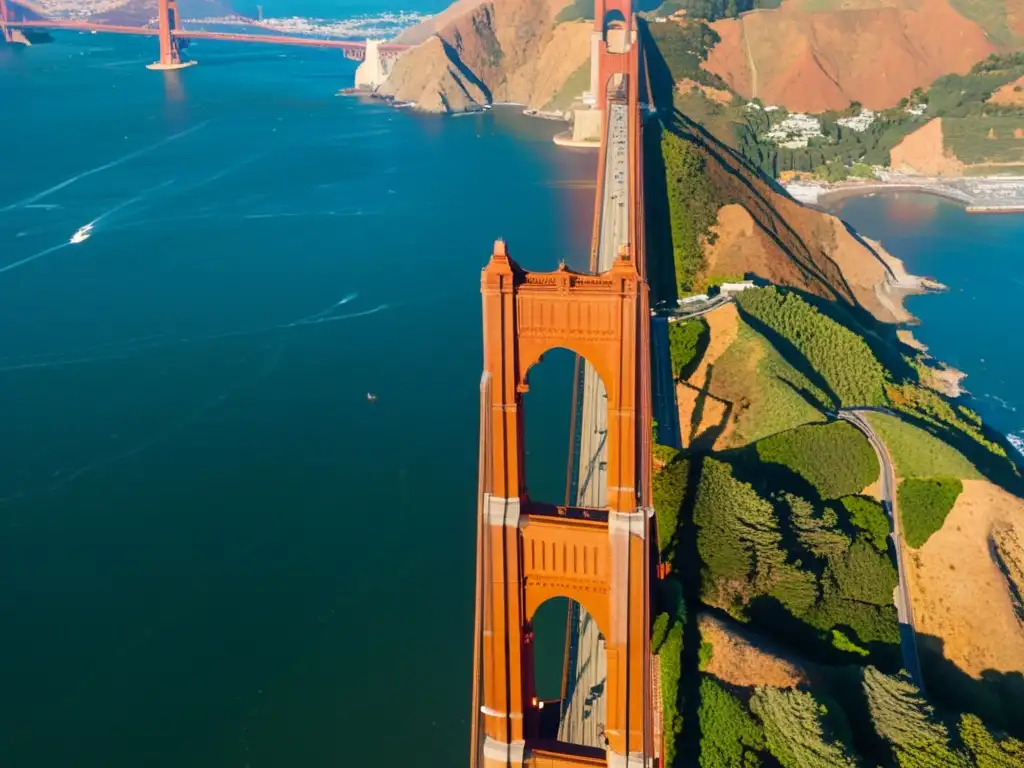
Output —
(964, 607)
(737, 661)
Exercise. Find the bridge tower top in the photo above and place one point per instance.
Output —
(6, 33)
(529, 313)
(612, 12)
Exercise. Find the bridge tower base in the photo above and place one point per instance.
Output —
(374, 69)
(170, 46)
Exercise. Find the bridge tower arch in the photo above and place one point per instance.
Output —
(167, 18)
(531, 552)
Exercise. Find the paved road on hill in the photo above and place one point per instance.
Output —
(583, 713)
(904, 605)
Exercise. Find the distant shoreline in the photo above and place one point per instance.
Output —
(983, 194)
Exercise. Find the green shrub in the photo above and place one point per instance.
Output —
(729, 737)
(816, 530)
(684, 47)
(871, 623)
(693, 207)
(843, 643)
(930, 406)
(705, 654)
(868, 515)
(987, 750)
(668, 489)
(915, 453)
(578, 9)
(863, 574)
(684, 339)
(794, 730)
(737, 535)
(670, 661)
(770, 400)
(664, 453)
(924, 504)
(835, 458)
(904, 719)
(843, 358)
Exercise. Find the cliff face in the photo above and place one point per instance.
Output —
(764, 232)
(875, 52)
(923, 152)
(498, 51)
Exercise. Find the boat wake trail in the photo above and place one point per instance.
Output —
(132, 347)
(106, 166)
(126, 203)
(33, 257)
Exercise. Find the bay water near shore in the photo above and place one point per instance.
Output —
(214, 549)
(975, 326)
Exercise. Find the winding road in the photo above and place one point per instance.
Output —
(904, 606)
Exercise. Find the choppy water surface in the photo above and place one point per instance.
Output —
(215, 550)
(976, 325)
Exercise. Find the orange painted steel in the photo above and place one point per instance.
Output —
(5, 32)
(532, 553)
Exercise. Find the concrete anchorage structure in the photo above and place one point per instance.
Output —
(170, 46)
(375, 67)
(613, 33)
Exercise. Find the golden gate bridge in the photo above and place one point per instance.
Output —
(172, 37)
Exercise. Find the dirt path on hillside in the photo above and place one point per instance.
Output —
(750, 60)
(969, 628)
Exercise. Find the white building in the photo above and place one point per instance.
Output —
(795, 131)
(859, 123)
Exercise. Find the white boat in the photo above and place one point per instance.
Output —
(81, 235)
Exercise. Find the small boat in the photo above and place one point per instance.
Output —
(371, 397)
(81, 235)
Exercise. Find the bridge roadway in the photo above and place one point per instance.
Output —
(349, 46)
(583, 711)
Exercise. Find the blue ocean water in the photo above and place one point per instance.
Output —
(976, 325)
(215, 550)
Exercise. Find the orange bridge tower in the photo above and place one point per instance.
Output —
(170, 45)
(529, 551)
(5, 31)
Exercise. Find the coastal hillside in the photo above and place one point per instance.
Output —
(726, 220)
(967, 146)
(499, 51)
(778, 633)
(815, 56)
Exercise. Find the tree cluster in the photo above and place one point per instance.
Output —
(684, 341)
(924, 504)
(839, 355)
(835, 458)
(693, 208)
